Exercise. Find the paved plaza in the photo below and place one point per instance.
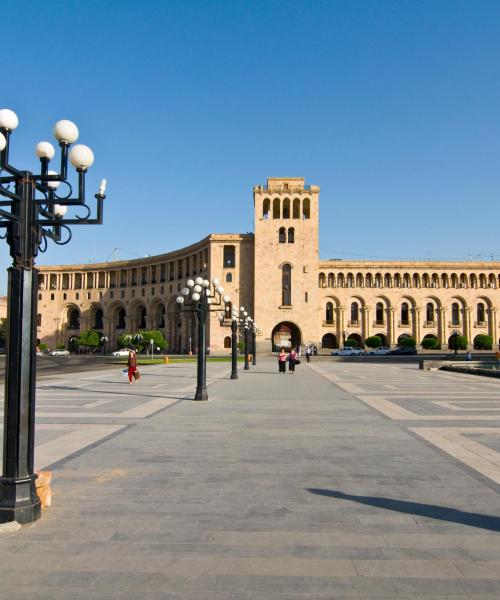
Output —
(345, 480)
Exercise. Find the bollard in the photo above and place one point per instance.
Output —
(165, 360)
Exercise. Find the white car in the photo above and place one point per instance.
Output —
(348, 352)
(122, 352)
(378, 351)
(59, 353)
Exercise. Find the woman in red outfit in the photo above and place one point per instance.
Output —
(132, 366)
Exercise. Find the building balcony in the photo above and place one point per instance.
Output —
(354, 324)
(403, 323)
(452, 324)
(480, 324)
(379, 324)
(429, 324)
(328, 323)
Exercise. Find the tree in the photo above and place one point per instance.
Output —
(430, 343)
(407, 342)
(483, 342)
(155, 335)
(3, 333)
(351, 343)
(89, 339)
(373, 341)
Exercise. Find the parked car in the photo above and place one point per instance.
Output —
(378, 351)
(122, 352)
(348, 352)
(402, 351)
(59, 353)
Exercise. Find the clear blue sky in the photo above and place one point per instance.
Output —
(392, 107)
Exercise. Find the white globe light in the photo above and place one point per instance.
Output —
(220, 289)
(233, 318)
(60, 210)
(197, 288)
(220, 316)
(185, 291)
(53, 185)
(209, 300)
(215, 281)
(245, 313)
(198, 280)
(226, 299)
(8, 119)
(66, 131)
(242, 308)
(45, 150)
(179, 300)
(190, 283)
(81, 156)
(208, 292)
(205, 283)
(3, 142)
(195, 296)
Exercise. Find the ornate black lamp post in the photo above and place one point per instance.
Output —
(201, 299)
(245, 323)
(32, 213)
(456, 335)
(104, 341)
(234, 341)
(254, 345)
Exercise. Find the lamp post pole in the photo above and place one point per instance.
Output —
(36, 214)
(200, 300)
(245, 341)
(234, 348)
(254, 346)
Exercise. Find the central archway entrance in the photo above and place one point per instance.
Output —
(285, 335)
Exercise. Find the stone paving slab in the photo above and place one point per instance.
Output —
(281, 486)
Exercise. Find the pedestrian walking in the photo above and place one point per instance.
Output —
(292, 357)
(282, 361)
(308, 353)
(132, 366)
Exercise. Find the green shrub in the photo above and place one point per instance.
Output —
(430, 343)
(483, 342)
(42, 347)
(89, 339)
(155, 335)
(458, 342)
(60, 346)
(350, 343)
(407, 342)
(373, 341)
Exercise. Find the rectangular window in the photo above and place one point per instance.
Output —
(305, 296)
(229, 257)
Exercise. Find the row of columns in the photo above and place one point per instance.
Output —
(418, 331)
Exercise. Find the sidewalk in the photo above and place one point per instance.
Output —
(280, 486)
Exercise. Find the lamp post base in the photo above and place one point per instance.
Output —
(201, 393)
(234, 375)
(19, 501)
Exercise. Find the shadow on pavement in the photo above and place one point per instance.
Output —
(431, 511)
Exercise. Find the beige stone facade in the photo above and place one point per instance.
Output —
(275, 273)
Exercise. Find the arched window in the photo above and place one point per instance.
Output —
(286, 208)
(480, 313)
(463, 280)
(378, 280)
(228, 310)
(492, 281)
(350, 280)
(331, 280)
(455, 314)
(322, 280)
(387, 280)
(276, 208)
(73, 319)
(306, 209)
(340, 280)
(482, 280)
(286, 285)
(282, 235)
(161, 318)
(397, 280)
(329, 313)
(98, 324)
(142, 318)
(354, 313)
(416, 280)
(379, 313)
(405, 314)
(406, 280)
(359, 280)
(229, 277)
(296, 208)
(425, 280)
(429, 312)
(454, 280)
(291, 235)
(434, 280)
(444, 281)
(227, 341)
(369, 280)
(266, 208)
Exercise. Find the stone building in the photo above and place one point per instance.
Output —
(276, 273)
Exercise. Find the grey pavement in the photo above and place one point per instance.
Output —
(345, 480)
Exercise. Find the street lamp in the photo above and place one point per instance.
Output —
(32, 212)
(234, 341)
(456, 335)
(104, 341)
(245, 321)
(201, 298)
(255, 329)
